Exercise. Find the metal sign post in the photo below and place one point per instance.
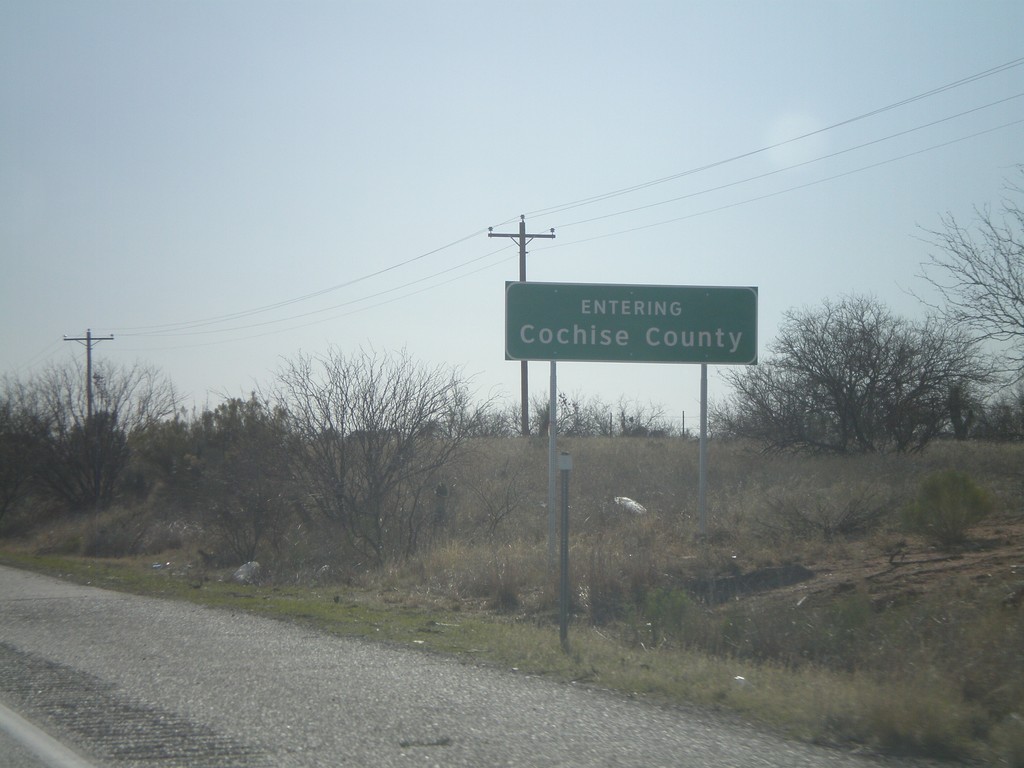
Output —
(702, 480)
(552, 460)
(565, 465)
(599, 322)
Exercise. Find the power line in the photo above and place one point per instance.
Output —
(353, 311)
(185, 332)
(790, 189)
(581, 202)
(184, 327)
(44, 352)
(135, 331)
(350, 302)
(766, 174)
(744, 155)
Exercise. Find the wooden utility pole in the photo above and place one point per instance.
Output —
(89, 341)
(523, 239)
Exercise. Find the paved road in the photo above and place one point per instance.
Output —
(16, 754)
(24, 745)
(131, 681)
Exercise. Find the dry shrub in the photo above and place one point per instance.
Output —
(671, 613)
(308, 551)
(619, 558)
(917, 715)
(602, 586)
(498, 491)
(805, 509)
(500, 576)
(1008, 741)
(113, 533)
(116, 532)
(948, 505)
(968, 632)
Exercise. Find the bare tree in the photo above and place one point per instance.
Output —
(85, 456)
(852, 377)
(21, 435)
(242, 481)
(496, 419)
(577, 415)
(1002, 418)
(769, 404)
(639, 420)
(376, 432)
(979, 275)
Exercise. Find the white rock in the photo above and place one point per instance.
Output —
(248, 573)
(632, 506)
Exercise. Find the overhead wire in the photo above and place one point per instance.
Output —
(776, 193)
(263, 334)
(138, 330)
(350, 302)
(746, 201)
(711, 210)
(673, 220)
(664, 222)
(761, 150)
(45, 352)
(776, 171)
(187, 327)
(350, 312)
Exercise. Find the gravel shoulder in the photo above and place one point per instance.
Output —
(139, 681)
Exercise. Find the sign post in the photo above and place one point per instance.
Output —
(565, 465)
(597, 322)
(552, 458)
(702, 461)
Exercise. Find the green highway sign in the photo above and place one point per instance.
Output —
(631, 323)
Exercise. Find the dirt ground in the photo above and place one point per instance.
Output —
(993, 557)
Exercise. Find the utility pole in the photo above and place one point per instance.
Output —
(523, 239)
(88, 341)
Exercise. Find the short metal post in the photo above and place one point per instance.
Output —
(702, 481)
(552, 463)
(565, 465)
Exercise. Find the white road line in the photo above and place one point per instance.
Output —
(41, 744)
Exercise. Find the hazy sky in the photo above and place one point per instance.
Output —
(221, 185)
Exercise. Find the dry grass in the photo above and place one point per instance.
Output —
(892, 644)
(934, 666)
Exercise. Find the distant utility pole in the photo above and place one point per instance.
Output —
(89, 341)
(523, 239)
